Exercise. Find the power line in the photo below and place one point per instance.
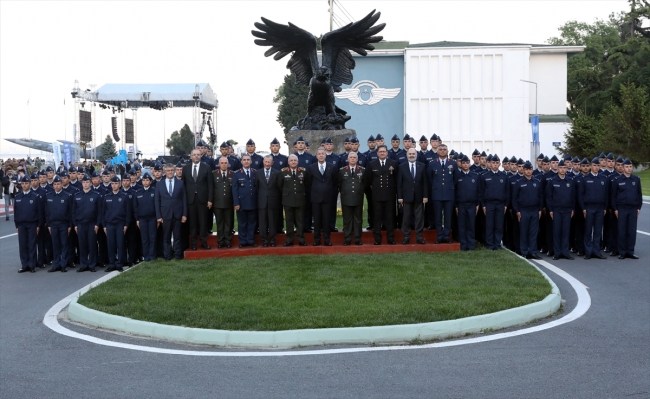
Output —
(337, 21)
(345, 11)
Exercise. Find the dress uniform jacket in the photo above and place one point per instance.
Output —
(466, 201)
(382, 180)
(256, 161)
(117, 209)
(294, 189)
(244, 191)
(58, 209)
(279, 161)
(222, 192)
(28, 216)
(86, 214)
(626, 199)
(527, 199)
(560, 197)
(442, 179)
(398, 155)
(351, 185)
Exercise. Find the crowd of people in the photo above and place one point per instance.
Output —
(103, 218)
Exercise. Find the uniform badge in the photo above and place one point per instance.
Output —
(602, 183)
(472, 180)
(634, 183)
(280, 163)
(62, 201)
(31, 201)
(91, 200)
(534, 184)
(568, 185)
(500, 180)
(152, 195)
(119, 200)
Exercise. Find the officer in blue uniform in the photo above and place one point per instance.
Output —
(86, 217)
(256, 159)
(279, 161)
(560, 196)
(442, 174)
(203, 147)
(233, 162)
(157, 174)
(616, 173)
(28, 219)
(593, 196)
(145, 217)
(527, 203)
(244, 196)
(74, 177)
(626, 200)
(371, 145)
(132, 237)
(494, 192)
(116, 219)
(514, 223)
(467, 185)
(395, 153)
(58, 217)
(43, 240)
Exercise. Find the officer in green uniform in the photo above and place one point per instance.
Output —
(222, 204)
(351, 185)
(293, 182)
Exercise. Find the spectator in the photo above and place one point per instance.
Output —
(9, 190)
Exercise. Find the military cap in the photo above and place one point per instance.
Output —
(610, 156)
(423, 138)
(395, 137)
(146, 176)
(476, 152)
(540, 156)
(567, 157)
(528, 165)
(483, 154)
(179, 164)
(250, 142)
(34, 176)
(81, 169)
(460, 154)
(41, 173)
(157, 166)
(627, 161)
(300, 139)
(125, 177)
(354, 139)
(295, 142)
(95, 174)
(602, 156)
(86, 177)
(554, 159)
(137, 167)
(23, 179)
(452, 152)
(105, 172)
(56, 179)
(49, 169)
(347, 139)
(434, 137)
(306, 143)
(201, 143)
(72, 169)
(406, 137)
(575, 159)
(595, 160)
(225, 145)
(495, 158)
(489, 158)
(546, 160)
(379, 137)
(275, 141)
(619, 159)
(64, 174)
(561, 163)
(465, 158)
(323, 140)
(115, 179)
(110, 169)
(520, 162)
(584, 161)
(133, 171)
(371, 138)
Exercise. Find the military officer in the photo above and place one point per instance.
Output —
(371, 145)
(514, 221)
(144, 211)
(58, 217)
(494, 193)
(132, 236)
(292, 182)
(395, 153)
(116, 219)
(593, 197)
(222, 204)
(244, 196)
(626, 202)
(86, 216)
(44, 249)
(205, 158)
(560, 203)
(351, 184)
(256, 159)
(304, 160)
(467, 186)
(28, 219)
(233, 162)
(441, 174)
(618, 172)
(279, 160)
(527, 202)
(578, 216)
(382, 179)
(435, 141)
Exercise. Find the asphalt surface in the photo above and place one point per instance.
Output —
(603, 354)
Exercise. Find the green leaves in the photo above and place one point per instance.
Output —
(181, 143)
(291, 98)
(108, 149)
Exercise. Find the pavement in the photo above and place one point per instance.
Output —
(603, 354)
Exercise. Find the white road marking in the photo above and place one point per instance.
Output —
(646, 202)
(643, 232)
(10, 235)
(584, 303)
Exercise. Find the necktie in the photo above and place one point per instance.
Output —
(382, 164)
(194, 174)
(248, 176)
(443, 163)
(322, 169)
(170, 187)
(223, 174)
(267, 175)
(294, 174)
(413, 171)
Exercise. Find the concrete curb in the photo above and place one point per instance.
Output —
(328, 336)
(646, 197)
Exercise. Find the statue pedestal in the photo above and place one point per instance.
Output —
(314, 138)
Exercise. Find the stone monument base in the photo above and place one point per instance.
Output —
(314, 138)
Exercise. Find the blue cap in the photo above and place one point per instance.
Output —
(567, 157)
(41, 173)
(105, 172)
(115, 179)
(72, 169)
(250, 142)
(540, 156)
(201, 143)
(347, 139)
(371, 138)
(610, 156)
(619, 159)
(224, 145)
(126, 177)
(23, 179)
(528, 165)
(275, 141)
(179, 164)
(434, 137)
(85, 177)
(595, 160)
(133, 171)
(157, 166)
(520, 162)
(476, 152)
(575, 159)
(495, 158)
(395, 137)
(49, 169)
(81, 169)
(483, 154)
(407, 137)
(561, 163)
(300, 139)
(554, 159)
(354, 139)
(489, 158)
(34, 176)
(627, 162)
(323, 140)
(56, 179)
(306, 143)
(546, 160)
(465, 158)
(584, 161)
(95, 174)
(146, 176)
(602, 156)
(379, 137)
(423, 138)
(64, 174)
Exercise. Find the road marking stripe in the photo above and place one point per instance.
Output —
(584, 303)
(646, 202)
(643, 232)
(10, 235)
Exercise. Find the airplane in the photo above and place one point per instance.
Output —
(47, 147)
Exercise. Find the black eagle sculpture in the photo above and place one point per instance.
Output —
(336, 68)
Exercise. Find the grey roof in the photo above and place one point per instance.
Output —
(445, 43)
(157, 95)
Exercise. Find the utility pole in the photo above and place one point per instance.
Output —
(331, 13)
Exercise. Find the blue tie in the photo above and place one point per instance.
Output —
(413, 171)
(170, 187)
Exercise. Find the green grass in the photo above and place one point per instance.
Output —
(270, 293)
(645, 181)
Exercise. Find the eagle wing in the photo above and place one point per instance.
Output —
(285, 39)
(379, 94)
(350, 94)
(358, 37)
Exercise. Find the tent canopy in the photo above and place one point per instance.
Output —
(157, 96)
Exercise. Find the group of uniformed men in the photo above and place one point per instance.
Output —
(558, 206)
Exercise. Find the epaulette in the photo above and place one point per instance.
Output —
(284, 169)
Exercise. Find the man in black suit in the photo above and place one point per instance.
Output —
(382, 180)
(269, 201)
(171, 211)
(412, 188)
(197, 177)
(323, 183)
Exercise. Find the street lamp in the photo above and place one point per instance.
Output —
(535, 83)
(534, 121)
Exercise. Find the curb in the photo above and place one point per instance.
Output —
(646, 197)
(327, 336)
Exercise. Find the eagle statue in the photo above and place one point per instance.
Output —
(337, 63)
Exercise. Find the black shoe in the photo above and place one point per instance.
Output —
(377, 242)
(316, 243)
(569, 257)
(615, 253)
(228, 246)
(23, 270)
(535, 256)
(556, 257)
(109, 269)
(579, 253)
(600, 256)
(358, 243)
(369, 228)
(242, 245)
(82, 270)
(336, 230)
(391, 242)
(219, 246)
(32, 270)
(529, 257)
(438, 240)
(53, 269)
(302, 244)
(587, 257)
(631, 256)
(93, 270)
(287, 244)
(328, 244)
(605, 249)
(205, 245)
(346, 243)
(272, 244)
(405, 241)
(193, 247)
(265, 245)
(119, 269)
(621, 257)
(421, 242)
(71, 266)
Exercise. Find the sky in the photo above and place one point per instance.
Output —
(46, 46)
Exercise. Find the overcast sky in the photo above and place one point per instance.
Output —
(46, 46)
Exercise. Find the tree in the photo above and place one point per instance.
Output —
(232, 142)
(108, 150)
(181, 143)
(291, 98)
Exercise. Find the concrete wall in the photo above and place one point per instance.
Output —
(550, 73)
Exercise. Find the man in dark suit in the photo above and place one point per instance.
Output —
(197, 177)
(412, 194)
(351, 184)
(323, 183)
(268, 201)
(171, 211)
(382, 179)
(222, 202)
(292, 183)
(441, 174)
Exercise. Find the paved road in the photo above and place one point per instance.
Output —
(605, 353)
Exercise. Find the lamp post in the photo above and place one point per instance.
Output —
(534, 121)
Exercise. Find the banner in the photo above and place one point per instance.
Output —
(534, 123)
(56, 152)
(67, 154)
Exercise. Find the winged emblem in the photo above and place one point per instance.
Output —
(370, 89)
(337, 63)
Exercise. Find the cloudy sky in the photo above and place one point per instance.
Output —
(46, 46)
